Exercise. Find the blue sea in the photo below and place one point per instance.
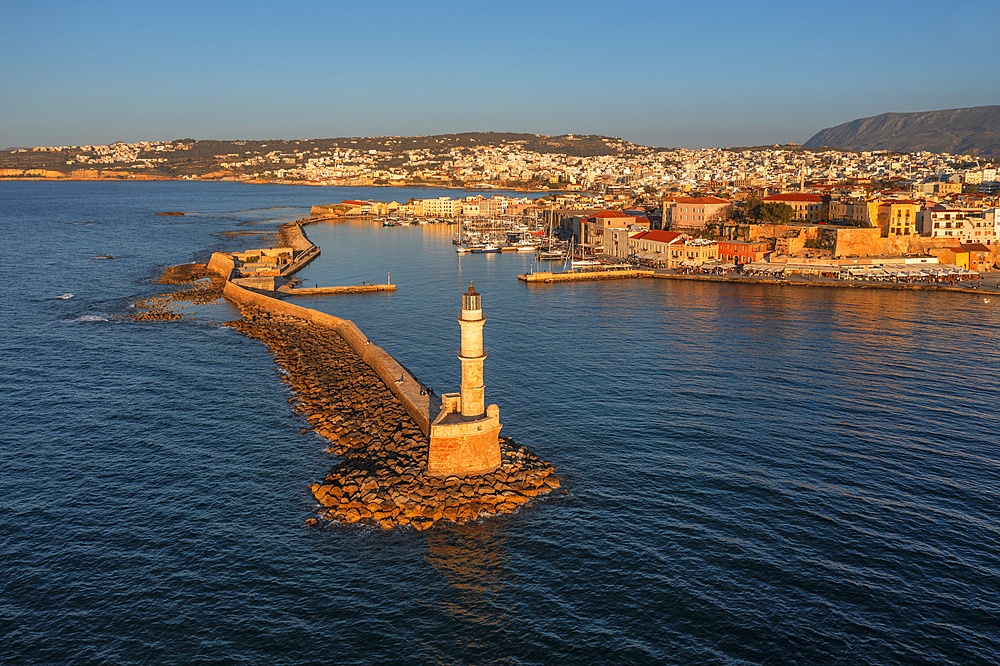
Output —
(753, 474)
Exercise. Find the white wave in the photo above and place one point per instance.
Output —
(64, 297)
(85, 318)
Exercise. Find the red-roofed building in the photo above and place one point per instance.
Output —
(595, 231)
(695, 212)
(656, 242)
(957, 256)
(808, 207)
(354, 207)
(979, 256)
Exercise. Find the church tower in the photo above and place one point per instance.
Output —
(464, 437)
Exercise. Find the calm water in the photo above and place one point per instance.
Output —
(754, 474)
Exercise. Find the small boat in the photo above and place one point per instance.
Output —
(486, 248)
(526, 247)
(550, 255)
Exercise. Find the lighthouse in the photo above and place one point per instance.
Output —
(464, 438)
(472, 354)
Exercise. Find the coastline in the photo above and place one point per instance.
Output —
(990, 285)
(134, 177)
(828, 283)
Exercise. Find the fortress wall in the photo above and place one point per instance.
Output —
(869, 243)
(330, 209)
(221, 264)
(418, 406)
(858, 243)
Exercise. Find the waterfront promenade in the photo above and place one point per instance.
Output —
(988, 283)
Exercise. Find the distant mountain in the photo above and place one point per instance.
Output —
(953, 131)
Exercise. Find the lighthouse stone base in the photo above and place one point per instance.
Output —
(462, 445)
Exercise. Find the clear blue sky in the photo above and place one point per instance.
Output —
(714, 73)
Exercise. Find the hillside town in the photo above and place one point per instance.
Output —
(817, 210)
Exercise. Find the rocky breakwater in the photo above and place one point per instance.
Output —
(381, 479)
(197, 285)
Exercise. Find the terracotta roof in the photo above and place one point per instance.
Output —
(975, 247)
(701, 200)
(611, 213)
(732, 242)
(659, 236)
(795, 196)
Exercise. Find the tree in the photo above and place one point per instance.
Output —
(774, 213)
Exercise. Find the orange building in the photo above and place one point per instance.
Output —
(979, 256)
(742, 252)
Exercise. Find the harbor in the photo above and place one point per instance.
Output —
(652, 399)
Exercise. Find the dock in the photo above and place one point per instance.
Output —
(582, 276)
(349, 289)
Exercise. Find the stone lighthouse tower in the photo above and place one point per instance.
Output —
(472, 353)
(465, 435)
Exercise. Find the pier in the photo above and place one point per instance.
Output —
(583, 276)
(288, 290)
(988, 286)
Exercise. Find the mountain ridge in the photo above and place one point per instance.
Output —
(965, 130)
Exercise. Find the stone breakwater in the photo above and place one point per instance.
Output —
(197, 285)
(381, 479)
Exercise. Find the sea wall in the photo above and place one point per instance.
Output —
(399, 381)
(295, 237)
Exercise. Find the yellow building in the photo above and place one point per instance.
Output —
(897, 217)
(956, 256)
(694, 252)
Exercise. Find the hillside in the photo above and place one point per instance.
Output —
(953, 131)
(191, 158)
